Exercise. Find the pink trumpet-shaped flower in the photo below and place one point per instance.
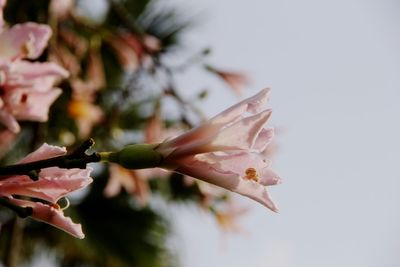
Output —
(227, 217)
(236, 80)
(26, 88)
(53, 184)
(227, 151)
(133, 181)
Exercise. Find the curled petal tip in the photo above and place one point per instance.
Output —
(266, 91)
(277, 180)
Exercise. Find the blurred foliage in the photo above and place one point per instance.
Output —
(119, 77)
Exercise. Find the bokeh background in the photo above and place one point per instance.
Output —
(333, 67)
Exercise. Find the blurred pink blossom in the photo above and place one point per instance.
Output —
(26, 88)
(78, 44)
(61, 55)
(126, 55)
(133, 181)
(228, 216)
(236, 80)
(53, 183)
(227, 151)
(82, 106)
(143, 46)
(133, 51)
(210, 194)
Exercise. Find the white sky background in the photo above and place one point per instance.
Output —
(333, 67)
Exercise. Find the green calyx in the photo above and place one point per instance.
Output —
(138, 156)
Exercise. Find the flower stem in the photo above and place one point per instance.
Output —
(104, 156)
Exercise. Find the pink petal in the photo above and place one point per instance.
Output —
(212, 173)
(189, 140)
(263, 139)
(239, 162)
(45, 151)
(32, 105)
(53, 184)
(252, 105)
(269, 177)
(40, 77)
(52, 216)
(119, 177)
(127, 56)
(242, 134)
(27, 40)
(209, 172)
(9, 121)
(130, 180)
(238, 136)
(113, 187)
(256, 192)
(203, 134)
(32, 70)
(235, 80)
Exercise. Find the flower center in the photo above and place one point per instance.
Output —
(251, 174)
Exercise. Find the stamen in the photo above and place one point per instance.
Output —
(251, 174)
(67, 204)
(56, 206)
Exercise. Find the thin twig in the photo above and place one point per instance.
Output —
(76, 159)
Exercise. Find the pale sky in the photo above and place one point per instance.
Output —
(333, 67)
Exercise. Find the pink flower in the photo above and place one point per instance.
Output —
(133, 51)
(228, 216)
(26, 91)
(53, 183)
(82, 107)
(126, 55)
(227, 151)
(143, 46)
(26, 88)
(235, 80)
(133, 181)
